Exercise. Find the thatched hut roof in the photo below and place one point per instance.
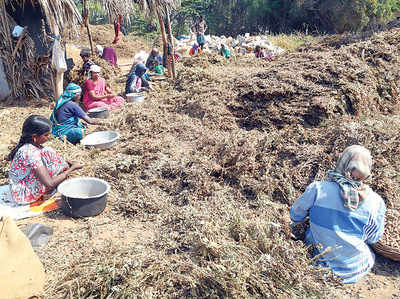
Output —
(149, 7)
(27, 74)
(58, 13)
(125, 8)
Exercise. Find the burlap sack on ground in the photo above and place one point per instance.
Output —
(22, 274)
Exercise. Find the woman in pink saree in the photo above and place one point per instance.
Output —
(98, 94)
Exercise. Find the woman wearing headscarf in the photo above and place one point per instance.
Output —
(137, 80)
(87, 62)
(345, 216)
(67, 114)
(98, 94)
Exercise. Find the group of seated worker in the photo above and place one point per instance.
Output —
(67, 113)
(344, 214)
(36, 170)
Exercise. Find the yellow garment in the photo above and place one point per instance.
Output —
(22, 274)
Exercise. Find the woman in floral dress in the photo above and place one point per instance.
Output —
(36, 170)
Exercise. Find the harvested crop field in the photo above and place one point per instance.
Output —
(206, 170)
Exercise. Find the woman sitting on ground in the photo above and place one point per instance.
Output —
(153, 60)
(224, 51)
(98, 94)
(110, 55)
(67, 114)
(35, 170)
(258, 52)
(345, 216)
(137, 80)
(87, 62)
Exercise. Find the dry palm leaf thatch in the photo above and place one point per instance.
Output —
(26, 74)
(114, 8)
(58, 13)
(21, 72)
(22, 68)
(124, 8)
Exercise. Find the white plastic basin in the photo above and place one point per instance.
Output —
(135, 97)
(103, 139)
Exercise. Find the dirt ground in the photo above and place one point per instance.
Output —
(205, 172)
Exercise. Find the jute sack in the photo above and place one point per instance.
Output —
(21, 272)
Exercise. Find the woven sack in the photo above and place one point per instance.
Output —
(22, 274)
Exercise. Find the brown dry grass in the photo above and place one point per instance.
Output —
(210, 166)
(104, 35)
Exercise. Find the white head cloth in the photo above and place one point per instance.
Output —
(93, 68)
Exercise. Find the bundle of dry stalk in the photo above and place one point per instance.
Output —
(308, 87)
(108, 72)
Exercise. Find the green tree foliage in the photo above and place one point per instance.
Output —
(186, 14)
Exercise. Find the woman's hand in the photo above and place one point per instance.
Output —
(96, 97)
(91, 121)
(111, 95)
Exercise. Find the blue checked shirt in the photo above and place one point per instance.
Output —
(346, 232)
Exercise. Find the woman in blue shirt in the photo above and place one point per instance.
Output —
(67, 114)
(138, 80)
(345, 216)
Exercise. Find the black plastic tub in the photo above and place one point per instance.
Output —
(83, 197)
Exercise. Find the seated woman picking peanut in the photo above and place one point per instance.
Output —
(36, 170)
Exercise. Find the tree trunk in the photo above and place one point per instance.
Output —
(170, 37)
(164, 39)
(86, 21)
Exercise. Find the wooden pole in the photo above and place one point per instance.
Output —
(59, 82)
(86, 22)
(164, 39)
(19, 41)
(171, 39)
(59, 76)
